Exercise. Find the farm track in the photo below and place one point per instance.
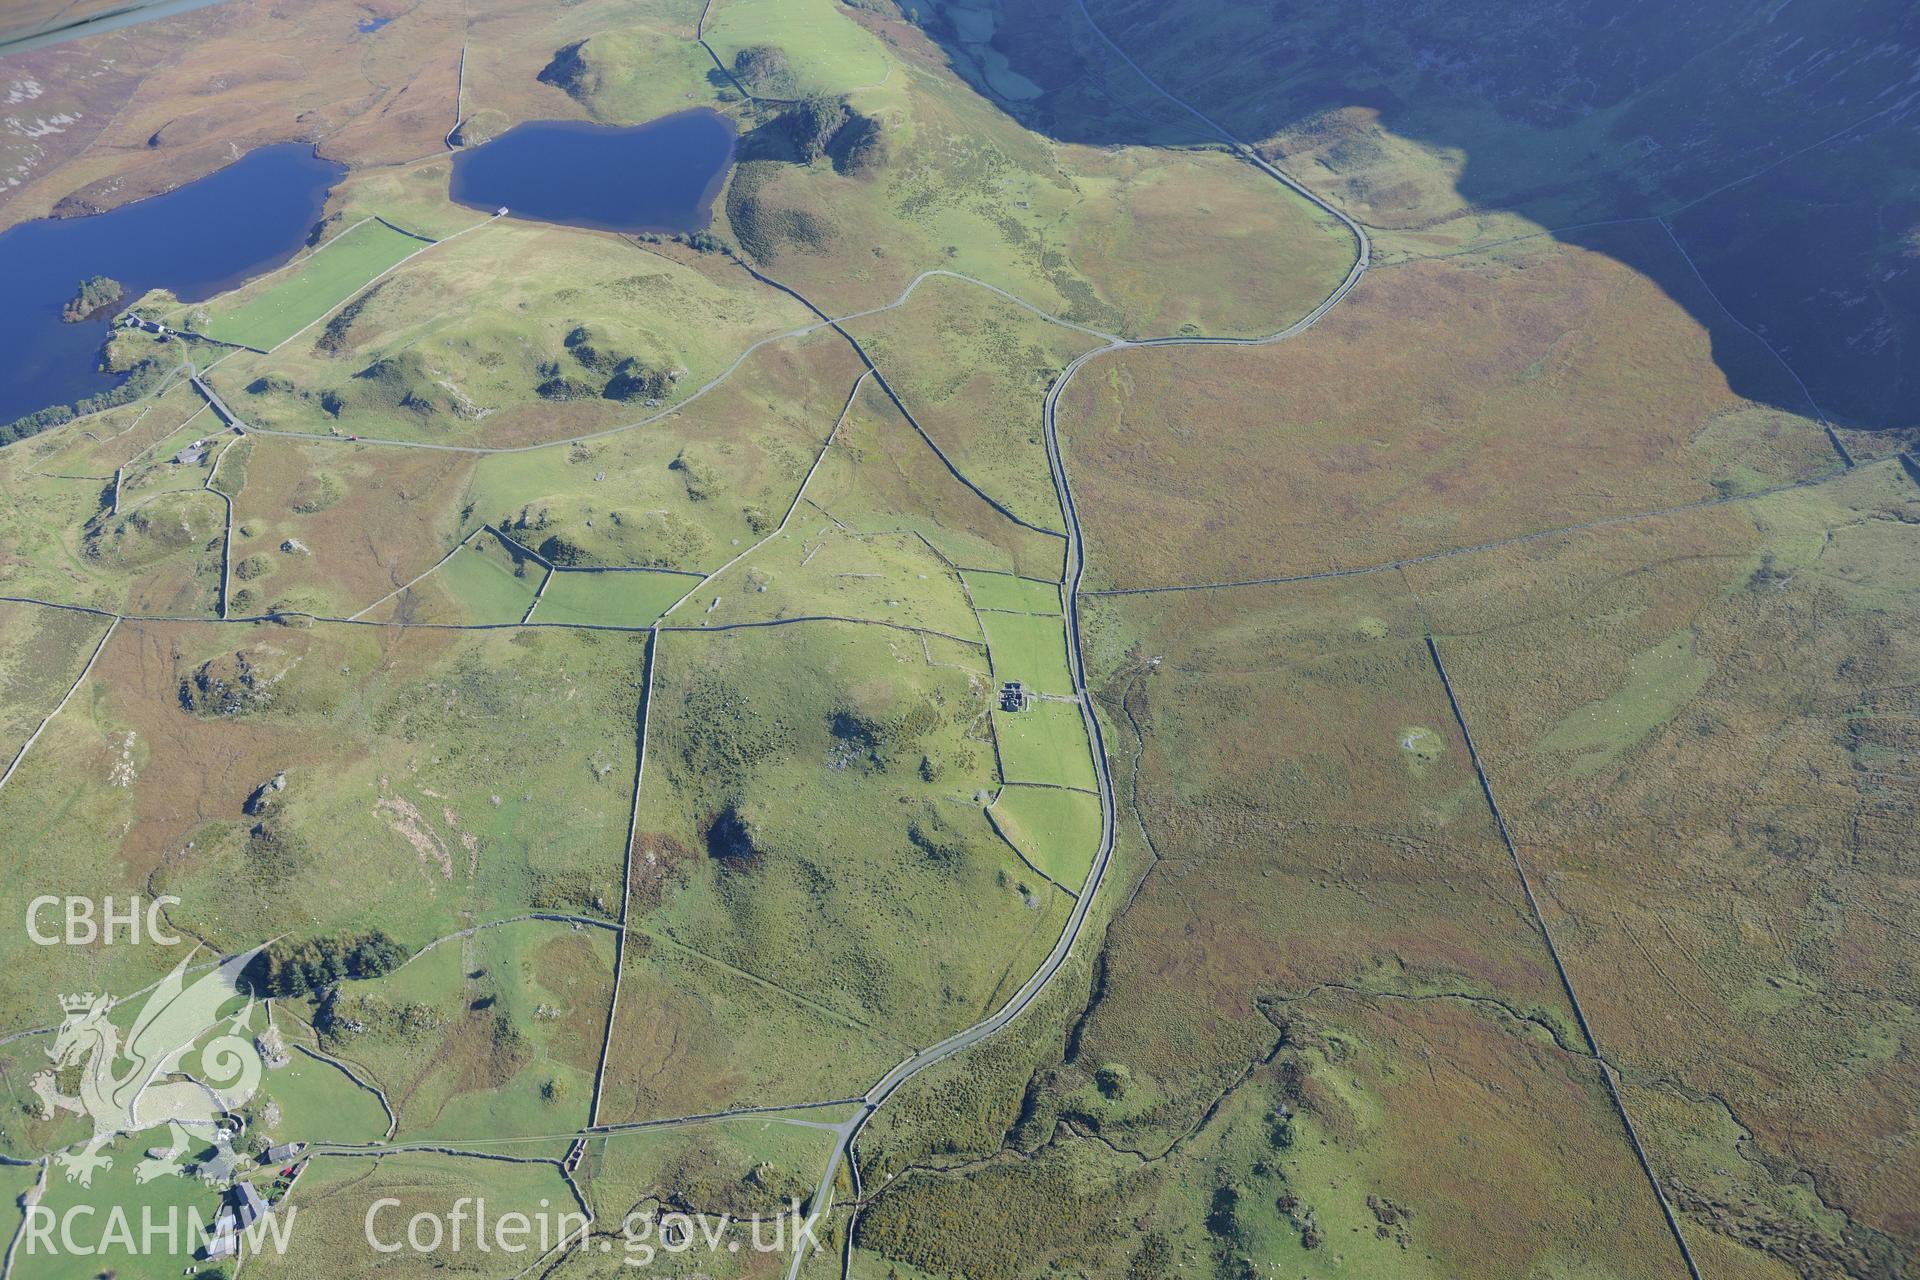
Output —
(1056, 959)
(877, 1095)
(801, 331)
(894, 1079)
(869, 1102)
(883, 1089)
(838, 327)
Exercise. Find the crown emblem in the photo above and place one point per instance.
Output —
(175, 1017)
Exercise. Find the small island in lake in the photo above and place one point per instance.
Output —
(97, 294)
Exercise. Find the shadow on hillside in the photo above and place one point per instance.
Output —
(1563, 113)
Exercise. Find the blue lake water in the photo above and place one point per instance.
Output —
(659, 176)
(371, 24)
(198, 240)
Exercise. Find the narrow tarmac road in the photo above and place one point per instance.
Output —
(1056, 959)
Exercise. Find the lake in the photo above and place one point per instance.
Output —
(197, 240)
(660, 176)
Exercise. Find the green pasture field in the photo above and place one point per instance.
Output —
(487, 581)
(1563, 1160)
(157, 472)
(43, 528)
(1045, 743)
(116, 1187)
(309, 510)
(59, 540)
(560, 332)
(1031, 649)
(816, 568)
(16, 1179)
(46, 648)
(688, 492)
(1662, 678)
(433, 781)
(1009, 594)
(119, 1187)
(972, 368)
(1103, 237)
(693, 1035)
(617, 599)
(825, 850)
(880, 475)
(264, 314)
(413, 196)
(336, 1193)
(646, 67)
(754, 1165)
(165, 552)
(1033, 552)
(493, 1035)
(96, 445)
(318, 1101)
(1058, 830)
(830, 53)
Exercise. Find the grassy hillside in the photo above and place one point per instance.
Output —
(586, 662)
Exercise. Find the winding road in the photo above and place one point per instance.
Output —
(848, 1131)
(1056, 959)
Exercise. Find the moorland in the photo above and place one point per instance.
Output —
(1193, 640)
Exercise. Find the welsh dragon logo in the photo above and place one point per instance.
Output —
(144, 1084)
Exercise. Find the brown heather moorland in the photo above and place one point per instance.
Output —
(1443, 404)
(1317, 1023)
(1701, 732)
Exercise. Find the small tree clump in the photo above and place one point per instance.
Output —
(292, 969)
